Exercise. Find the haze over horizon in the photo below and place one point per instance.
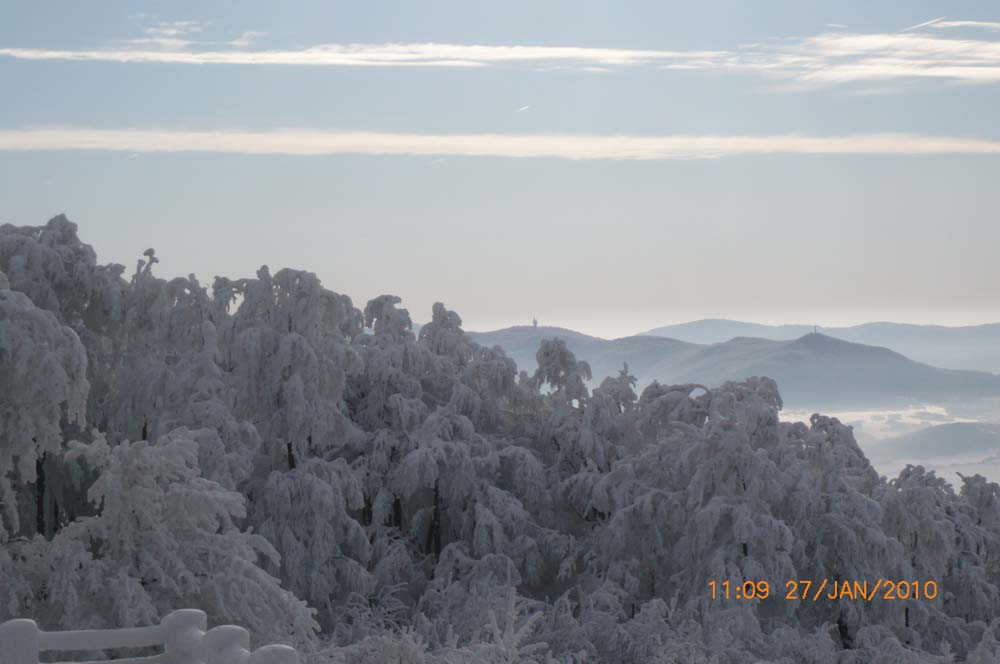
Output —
(600, 170)
(618, 328)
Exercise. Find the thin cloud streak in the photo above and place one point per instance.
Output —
(372, 55)
(563, 146)
(992, 26)
(924, 24)
(834, 57)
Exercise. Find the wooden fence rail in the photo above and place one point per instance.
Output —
(182, 635)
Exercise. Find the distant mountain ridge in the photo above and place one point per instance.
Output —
(812, 370)
(975, 347)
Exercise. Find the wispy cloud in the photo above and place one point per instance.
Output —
(922, 51)
(174, 28)
(166, 35)
(992, 26)
(376, 55)
(246, 39)
(180, 36)
(840, 57)
(924, 24)
(563, 146)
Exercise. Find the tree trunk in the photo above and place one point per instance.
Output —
(366, 512)
(845, 634)
(40, 495)
(434, 534)
(397, 512)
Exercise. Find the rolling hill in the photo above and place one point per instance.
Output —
(975, 347)
(648, 357)
(812, 370)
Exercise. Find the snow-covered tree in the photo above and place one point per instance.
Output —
(266, 451)
(164, 537)
(43, 387)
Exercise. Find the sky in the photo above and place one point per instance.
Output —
(598, 166)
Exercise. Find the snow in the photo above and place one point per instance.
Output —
(180, 637)
(265, 450)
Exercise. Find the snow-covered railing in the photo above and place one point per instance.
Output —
(182, 635)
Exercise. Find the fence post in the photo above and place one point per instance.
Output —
(19, 642)
(274, 655)
(225, 644)
(182, 632)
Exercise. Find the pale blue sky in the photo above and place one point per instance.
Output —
(782, 161)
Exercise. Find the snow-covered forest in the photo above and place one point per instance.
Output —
(266, 450)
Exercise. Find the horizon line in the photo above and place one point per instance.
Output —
(579, 329)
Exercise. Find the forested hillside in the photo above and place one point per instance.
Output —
(265, 450)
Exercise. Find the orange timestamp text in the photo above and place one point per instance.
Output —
(826, 589)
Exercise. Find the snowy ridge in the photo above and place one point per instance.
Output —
(246, 448)
(973, 347)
